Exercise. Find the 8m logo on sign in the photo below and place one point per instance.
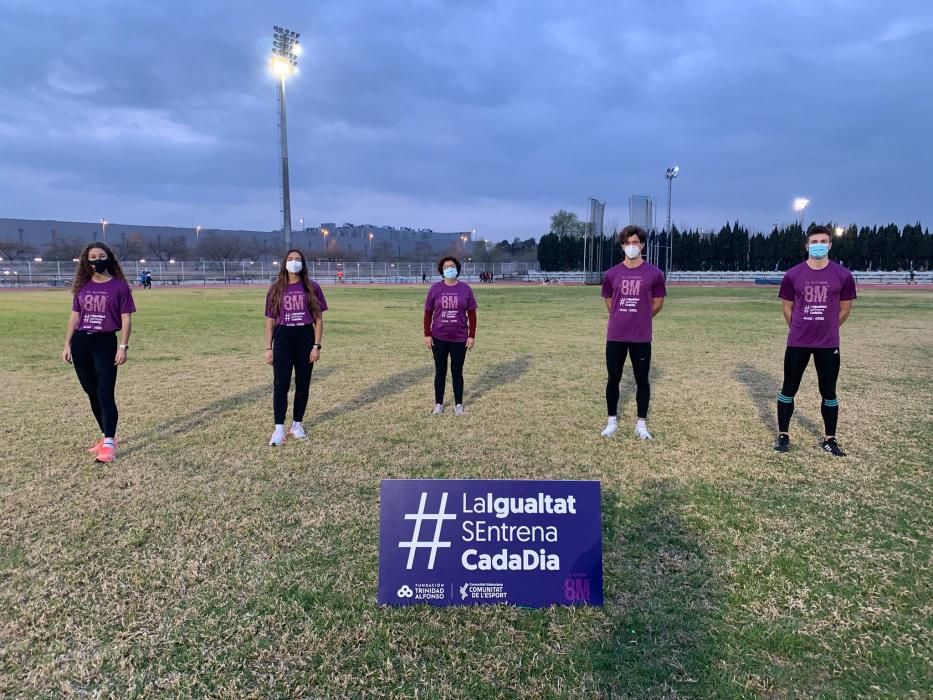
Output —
(577, 590)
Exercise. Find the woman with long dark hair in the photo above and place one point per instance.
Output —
(449, 330)
(101, 307)
(295, 306)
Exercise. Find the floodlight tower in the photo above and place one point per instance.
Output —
(670, 174)
(800, 206)
(284, 62)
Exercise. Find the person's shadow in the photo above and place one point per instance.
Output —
(661, 599)
(763, 389)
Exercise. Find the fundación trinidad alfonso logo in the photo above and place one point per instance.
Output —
(435, 542)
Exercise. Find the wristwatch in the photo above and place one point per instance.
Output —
(124, 347)
(316, 345)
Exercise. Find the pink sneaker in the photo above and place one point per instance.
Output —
(106, 454)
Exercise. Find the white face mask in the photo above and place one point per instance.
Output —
(632, 251)
(293, 266)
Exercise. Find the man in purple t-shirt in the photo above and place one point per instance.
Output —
(817, 296)
(634, 292)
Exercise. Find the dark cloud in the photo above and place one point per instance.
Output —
(466, 114)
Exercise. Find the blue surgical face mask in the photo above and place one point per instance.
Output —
(818, 250)
(450, 273)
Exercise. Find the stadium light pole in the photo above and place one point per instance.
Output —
(839, 231)
(284, 62)
(670, 174)
(103, 229)
(800, 206)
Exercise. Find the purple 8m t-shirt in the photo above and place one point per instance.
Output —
(295, 310)
(814, 321)
(101, 305)
(632, 290)
(449, 304)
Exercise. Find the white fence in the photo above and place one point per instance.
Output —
(186, 272)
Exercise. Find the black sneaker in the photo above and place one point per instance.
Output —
(832, 447)
(782, 444)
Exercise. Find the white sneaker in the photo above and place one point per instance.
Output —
(296, 431)
(278, 437)
(458, 409)
(610, 428)
(641, 430)
(438, 409)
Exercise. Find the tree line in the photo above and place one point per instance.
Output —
(735, 248)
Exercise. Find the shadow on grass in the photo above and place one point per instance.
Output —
(661, 601)
(763, 389)
(496, 376)
(395, 384)
(183, 424)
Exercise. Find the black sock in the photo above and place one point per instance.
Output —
(785, 409)
(830, 410)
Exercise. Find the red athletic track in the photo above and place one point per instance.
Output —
(890, 287)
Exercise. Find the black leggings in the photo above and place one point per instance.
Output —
(291, 348)
(826, 361)
(641, 365)
(457, 352)
(93, 355)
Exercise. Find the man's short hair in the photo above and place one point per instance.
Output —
(630, 231)
(821, 230)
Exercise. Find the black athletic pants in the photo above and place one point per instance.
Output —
(291, 349)
(457, 353)
(641, 365)
(92, 355)
(826, 361)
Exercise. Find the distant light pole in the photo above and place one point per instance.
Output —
(324, 233)
(800, 206)
(103, 227)
(370, 244)
(197, 234)
(670, 174)
(284, 62)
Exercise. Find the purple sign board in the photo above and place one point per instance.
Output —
(479, 542)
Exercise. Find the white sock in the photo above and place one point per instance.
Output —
(108, 442)
(611, 425)
(296, 424)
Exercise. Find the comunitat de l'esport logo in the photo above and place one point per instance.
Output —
(481, 530)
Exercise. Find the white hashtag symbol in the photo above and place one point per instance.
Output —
(432, 544)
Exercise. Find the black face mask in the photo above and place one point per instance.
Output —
(100, 266)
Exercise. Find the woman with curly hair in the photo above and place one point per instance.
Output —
(101, 307)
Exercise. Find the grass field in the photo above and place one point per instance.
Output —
(205, 563)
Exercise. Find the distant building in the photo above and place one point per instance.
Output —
(327, 239)
(379, 241)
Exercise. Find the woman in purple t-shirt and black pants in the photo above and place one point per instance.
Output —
(449, 330)
(295, 306)
(101, 307)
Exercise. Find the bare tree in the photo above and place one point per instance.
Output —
(166, 248)
(13, 250)
(129, 247)
(63, 247)
(215, 246)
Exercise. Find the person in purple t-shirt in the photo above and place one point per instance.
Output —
(449, 330)
(634, 291)
(295, 307)
(101, 306)
(817, 296)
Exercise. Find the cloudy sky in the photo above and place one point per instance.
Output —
(465, 114)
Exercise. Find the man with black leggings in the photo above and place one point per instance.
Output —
(817, 297)
(634, 292)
